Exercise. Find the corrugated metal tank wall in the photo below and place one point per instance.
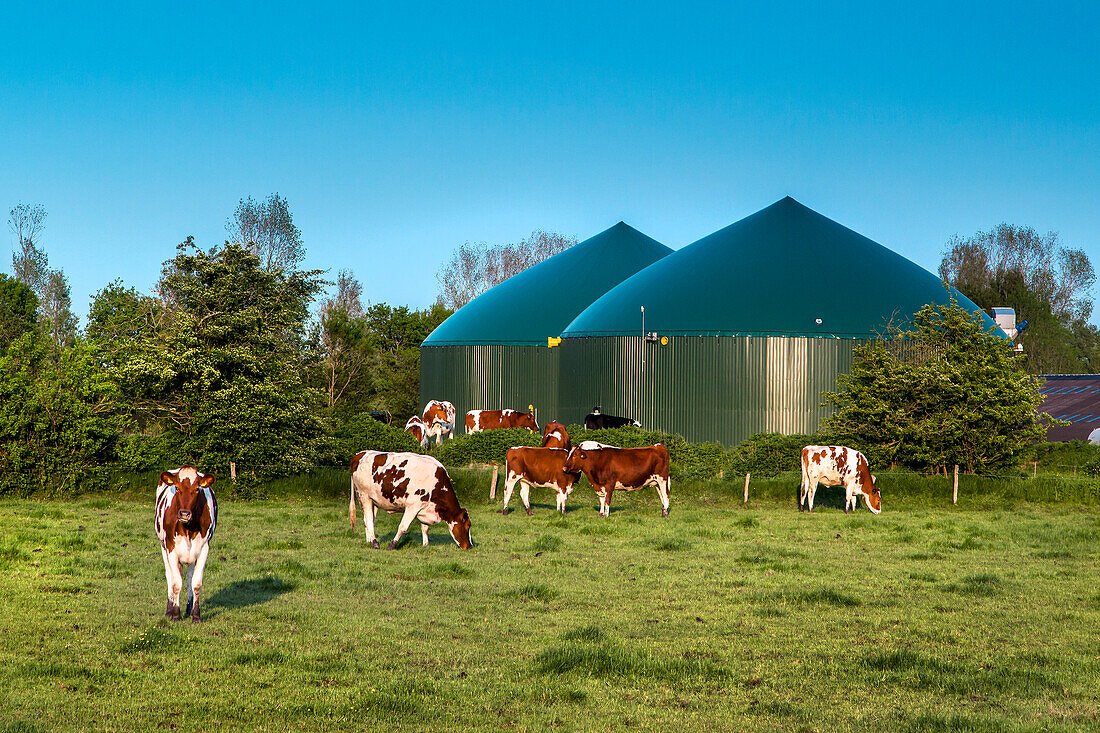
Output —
(482, 377)
(706, 388)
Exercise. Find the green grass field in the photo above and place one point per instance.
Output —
(927, 617)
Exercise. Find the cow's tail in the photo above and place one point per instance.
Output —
(351, 504)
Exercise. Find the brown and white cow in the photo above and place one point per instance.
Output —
(185, 518)
(410, 483)
(543, 467)
(439, 416)
(554, 435)
(416, 428)
(609, 469)
(478, 420)
(835, 465)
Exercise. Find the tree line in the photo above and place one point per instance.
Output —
(236, 355)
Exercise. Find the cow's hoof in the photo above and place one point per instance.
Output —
(391, 546)
(196, 620)
(374, 544)
(529, 512)
(664, 513)
(504, 511)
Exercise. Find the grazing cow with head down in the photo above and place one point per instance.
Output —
(835, 465)
(185, 518)
(416, 428)
(478, 420)
(554, 435)
(622, 468)
(544, 467)
(439, 416)
(596, 420)
(410, 483)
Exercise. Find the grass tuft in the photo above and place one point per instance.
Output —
(534, 592)
(585, 633)
(547, 543)
(153, 639)
(978, 584)
(671, 544)
(448, 570)
(747, 522)
(819, 596)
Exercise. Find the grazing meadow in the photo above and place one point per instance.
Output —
(725, 616)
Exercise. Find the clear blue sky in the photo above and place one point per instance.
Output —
(398, 132)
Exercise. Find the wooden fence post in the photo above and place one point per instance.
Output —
(493, 486)
(1035, 469)
(233, 471)
(955, 491)
(747, 487)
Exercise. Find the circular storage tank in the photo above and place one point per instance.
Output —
(751, 323)
(493, 352)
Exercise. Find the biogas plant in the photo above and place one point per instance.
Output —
(737, 333)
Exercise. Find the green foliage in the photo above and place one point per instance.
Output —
(213, 367)
(59, 420)
(768, 454)
(18, 310)
(946, 392)
(363, 432)
(488, 446)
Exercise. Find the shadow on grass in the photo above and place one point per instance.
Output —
(247, 593)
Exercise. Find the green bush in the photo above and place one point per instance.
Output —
(488, 446)
(354, 433)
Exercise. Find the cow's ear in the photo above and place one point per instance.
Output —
(206, 480)
(168, 479)
(874, 479)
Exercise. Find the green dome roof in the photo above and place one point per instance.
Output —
(783, 271)
(542, 300)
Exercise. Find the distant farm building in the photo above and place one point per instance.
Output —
(742, 332)
(1073, 397)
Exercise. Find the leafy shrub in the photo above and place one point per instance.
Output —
(768, 454)
(489, 446)
(362, 432)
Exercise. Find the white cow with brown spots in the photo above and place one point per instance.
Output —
(835, 465)
(439, 418)
(416, 485)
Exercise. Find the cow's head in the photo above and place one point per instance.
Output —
(527, 420)
(871, 495)
(188, 483)
(460, 530)
(576, 460)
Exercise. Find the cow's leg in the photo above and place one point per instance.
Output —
(170, 611)
(525, 496)
(369, 515)
(406, 520)
(175, 585)
(561, 496)
(802, 494)
(424, 534)
(662, 491)
(810, 498)
(607, 502)
(196, 582)
(509, 487)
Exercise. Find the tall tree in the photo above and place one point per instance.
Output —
(344, 353)
(29, 262)
(475, 267)
(945, 392)
(267, 228)
(1058, 276)
(31, 266)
